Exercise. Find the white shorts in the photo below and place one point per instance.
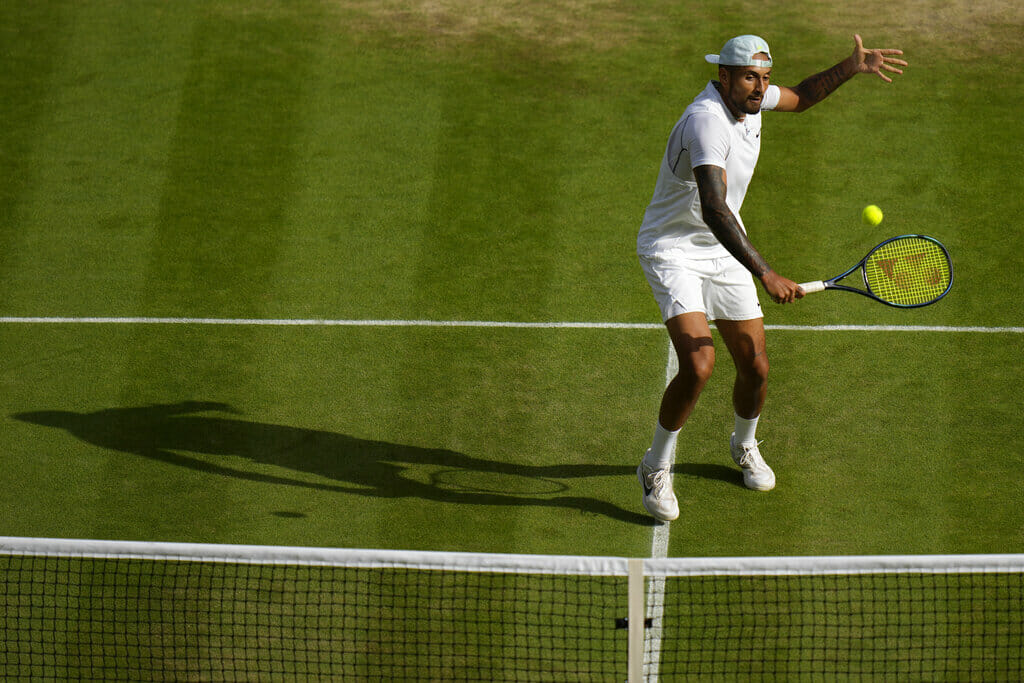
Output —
(720, 288)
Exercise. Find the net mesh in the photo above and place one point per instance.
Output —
(906, 626)
(117, 619)
(339, 615)
(908, 271)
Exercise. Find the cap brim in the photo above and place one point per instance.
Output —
(711, 59)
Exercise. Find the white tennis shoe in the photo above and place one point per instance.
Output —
(659, 499)
(756, 473)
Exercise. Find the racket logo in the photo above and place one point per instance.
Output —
(905, 278)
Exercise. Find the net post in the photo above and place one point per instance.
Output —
(637, 613)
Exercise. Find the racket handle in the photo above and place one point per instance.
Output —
(811, 287)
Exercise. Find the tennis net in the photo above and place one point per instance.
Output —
(111, 610)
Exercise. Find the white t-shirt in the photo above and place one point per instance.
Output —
(706, 134)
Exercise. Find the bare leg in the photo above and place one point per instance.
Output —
(745, 340)
(691, 337)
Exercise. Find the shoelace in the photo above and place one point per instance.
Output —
(748, 459)
(657, 481)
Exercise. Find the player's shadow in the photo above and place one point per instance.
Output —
(723, 473)
(340, 463)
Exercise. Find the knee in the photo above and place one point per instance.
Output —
(698, 366)
(756, 369)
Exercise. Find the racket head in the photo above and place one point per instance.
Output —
(908, 271)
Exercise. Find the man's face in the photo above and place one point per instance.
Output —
(743, 87)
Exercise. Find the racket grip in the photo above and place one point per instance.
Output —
(811, 287)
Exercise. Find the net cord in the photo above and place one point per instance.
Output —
(513, 563)
(326, 557)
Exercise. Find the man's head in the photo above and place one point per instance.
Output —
(744, 70)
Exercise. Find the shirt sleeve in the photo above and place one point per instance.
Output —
(771, 97)
(707, 138)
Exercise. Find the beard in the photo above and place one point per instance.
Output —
(750, 105)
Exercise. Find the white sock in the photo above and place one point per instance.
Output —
(663, 448)
(746, 430)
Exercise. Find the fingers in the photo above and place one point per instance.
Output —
(891, 63)
(781, 290)
(882, 51)
(875, 60)
(890, 69)
(794, 294)
(789, 295)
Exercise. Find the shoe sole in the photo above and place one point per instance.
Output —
(758, 487)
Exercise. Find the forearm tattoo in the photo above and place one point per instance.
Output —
(723, 224)
(814, 89)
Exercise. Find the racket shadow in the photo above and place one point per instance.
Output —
(327, 461)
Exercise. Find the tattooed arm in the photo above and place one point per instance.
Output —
(711, 184)
(719, 217)
(819, 86)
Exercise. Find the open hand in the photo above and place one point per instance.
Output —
(876, 61)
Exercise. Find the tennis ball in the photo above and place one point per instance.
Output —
(871, 215)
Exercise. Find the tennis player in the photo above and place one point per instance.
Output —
(694, 249)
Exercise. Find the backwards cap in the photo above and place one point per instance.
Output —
(740, 51)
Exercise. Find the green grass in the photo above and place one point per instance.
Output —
(468, 161)
(338, 161)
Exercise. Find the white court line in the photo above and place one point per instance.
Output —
(317, 322)
(896, 328)
(659, 550)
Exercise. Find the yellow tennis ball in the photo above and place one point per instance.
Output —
(871, 215)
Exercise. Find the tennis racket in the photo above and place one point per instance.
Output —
(906, 272)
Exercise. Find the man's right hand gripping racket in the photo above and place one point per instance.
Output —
(906, 272)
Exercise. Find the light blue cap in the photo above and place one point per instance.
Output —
(740, 51)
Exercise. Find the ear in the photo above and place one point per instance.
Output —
(723, 75)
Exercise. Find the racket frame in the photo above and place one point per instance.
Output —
(832, 283)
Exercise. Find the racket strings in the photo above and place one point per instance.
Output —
(908, 271)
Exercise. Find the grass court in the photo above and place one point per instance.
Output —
(465, 161)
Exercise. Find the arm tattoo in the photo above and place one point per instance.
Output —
(814, 89)
(719, 217)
